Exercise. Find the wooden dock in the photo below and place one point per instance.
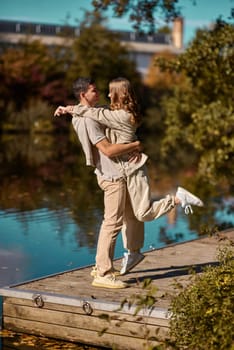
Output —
(66, 306)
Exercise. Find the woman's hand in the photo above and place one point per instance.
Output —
(61, 110)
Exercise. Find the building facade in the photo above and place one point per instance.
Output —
(141, 47)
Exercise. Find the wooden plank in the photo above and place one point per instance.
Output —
(116, 325)
(71, 309)
(104, 306)
(74, 335)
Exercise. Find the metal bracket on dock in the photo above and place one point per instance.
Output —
(38, 300)
(87, 308)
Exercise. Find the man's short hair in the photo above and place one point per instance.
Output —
(81, 85)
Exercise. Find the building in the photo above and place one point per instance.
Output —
(141, 47)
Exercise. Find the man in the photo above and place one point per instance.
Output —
(118, 215)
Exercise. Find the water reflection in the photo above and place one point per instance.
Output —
(47, 174)
(12, 262)
(34, 149)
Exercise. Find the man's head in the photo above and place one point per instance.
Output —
(85, 91)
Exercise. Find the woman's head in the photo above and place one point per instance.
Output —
(123, 97)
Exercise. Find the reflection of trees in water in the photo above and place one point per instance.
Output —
(167, 239)
(33, 149)
(84, 200)
(46, 171)
(88, 222)
(12, 263)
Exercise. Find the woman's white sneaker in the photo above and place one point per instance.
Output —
(188, 199)
(129, 261)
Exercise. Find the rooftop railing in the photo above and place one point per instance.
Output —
(15, 27)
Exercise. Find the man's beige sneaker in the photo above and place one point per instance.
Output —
(108, 281)
(93, 272)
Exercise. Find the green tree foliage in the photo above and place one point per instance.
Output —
(33, 81)
(160, 85)
(200, 114)
(141, 13)
(28, 71)
(98, 53)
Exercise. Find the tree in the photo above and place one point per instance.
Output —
(141, 13)
(98, 53)
(200, 113)
(32, 77)
(27, 71)
(160, 86)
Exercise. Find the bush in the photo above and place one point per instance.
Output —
(202, 312)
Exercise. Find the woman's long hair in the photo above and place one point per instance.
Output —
(123, 97)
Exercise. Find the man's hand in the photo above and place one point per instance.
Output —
(61, 110)
(134, 157)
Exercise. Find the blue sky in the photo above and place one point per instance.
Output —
(55, 12)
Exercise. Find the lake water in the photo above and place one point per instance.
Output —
(51, 209)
